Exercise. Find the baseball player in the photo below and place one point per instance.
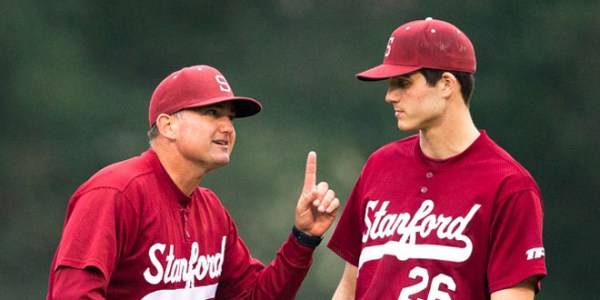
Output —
(144, 229)
(446, 213)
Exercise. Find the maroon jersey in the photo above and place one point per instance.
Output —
(459, 228)
(150, 241)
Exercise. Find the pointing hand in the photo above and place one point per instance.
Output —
(317, 206)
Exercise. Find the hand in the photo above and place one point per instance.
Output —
(317, 205)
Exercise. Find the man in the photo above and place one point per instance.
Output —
(144, 229)
(446, 213)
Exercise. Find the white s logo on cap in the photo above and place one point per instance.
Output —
(223, 85)
(388, 48)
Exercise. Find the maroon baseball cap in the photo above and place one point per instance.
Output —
(428, 43)
(197, 86)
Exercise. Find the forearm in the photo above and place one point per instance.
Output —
(347, 287)
(343, 292)
(282, 278)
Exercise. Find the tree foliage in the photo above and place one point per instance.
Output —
(77, 77)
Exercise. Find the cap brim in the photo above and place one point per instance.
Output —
(243, 106)
(385, 71)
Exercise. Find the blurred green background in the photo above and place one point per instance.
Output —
(77, 77)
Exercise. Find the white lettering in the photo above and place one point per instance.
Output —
(434, 293)
(155, 279)
(388, 48)
(409, 228)
(223, 84)
(170, 259)
(370, 206)
(196, 293)
(534, 253)
(173, 270)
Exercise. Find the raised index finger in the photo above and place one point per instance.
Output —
(310, 176)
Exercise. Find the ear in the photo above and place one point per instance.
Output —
(167, 126)
(449, 84)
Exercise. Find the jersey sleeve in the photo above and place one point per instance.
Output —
(346, 239)
(516, 251)
(71, 283)
(96, 231)
(244, 277)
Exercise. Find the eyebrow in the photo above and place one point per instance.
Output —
(217, 105)
(402, 79)
(407, 76)
(208, 106)
(220, 105)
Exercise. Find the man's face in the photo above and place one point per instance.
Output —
(206, 135)
(417, 106)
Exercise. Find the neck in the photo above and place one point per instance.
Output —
(184, 174)
(451, 137)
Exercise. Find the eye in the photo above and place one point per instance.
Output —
(219, 113)
(211, 112)
(402, 83)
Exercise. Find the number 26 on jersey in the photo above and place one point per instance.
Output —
(423, 281)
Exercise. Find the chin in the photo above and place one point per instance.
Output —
(223, 162)
(405, 128)
(217, 165)
(220, 160)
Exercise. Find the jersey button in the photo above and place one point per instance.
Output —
(424, 190)
(429, 174)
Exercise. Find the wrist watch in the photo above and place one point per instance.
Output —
(305, 238)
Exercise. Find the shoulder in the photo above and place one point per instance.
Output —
(119, 175)
(208, 205)
(124, 180)
(392, 156)
(511, 170)
(404, 147)
(207, 195)
(106, 196)
(207, 198)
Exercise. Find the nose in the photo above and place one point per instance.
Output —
(226, 124)
(394, 91)
(392, 96)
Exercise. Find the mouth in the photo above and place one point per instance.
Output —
(221, 142)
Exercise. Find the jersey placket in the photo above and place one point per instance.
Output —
(186, 226)
(426, 183)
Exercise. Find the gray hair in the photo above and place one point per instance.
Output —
(154, 133)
